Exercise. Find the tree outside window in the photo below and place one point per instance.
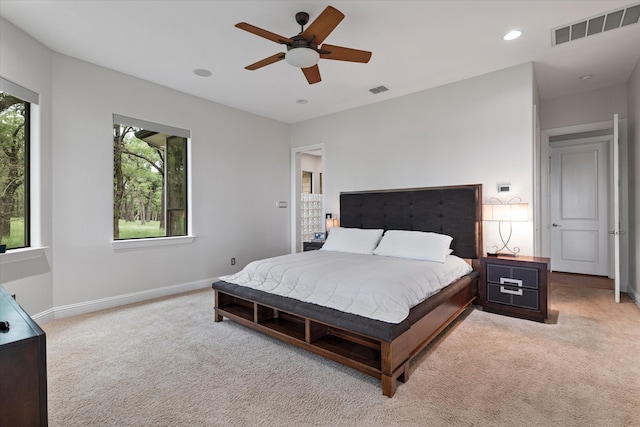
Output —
(149, 183)
(14, 171)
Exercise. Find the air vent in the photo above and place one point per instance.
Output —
(595, 25)
(378, 89)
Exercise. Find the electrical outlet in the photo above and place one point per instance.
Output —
(233, 261)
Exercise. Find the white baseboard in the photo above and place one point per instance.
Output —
(115, 301)
(634, 295)
(44, 317)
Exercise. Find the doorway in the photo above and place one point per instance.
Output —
(616, 243)
(307, 202)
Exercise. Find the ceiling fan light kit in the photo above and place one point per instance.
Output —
(302, 49)
(302, 57)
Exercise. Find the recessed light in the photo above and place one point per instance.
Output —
(302, 101)
(586, 77)
(512, 35)
(202, 72)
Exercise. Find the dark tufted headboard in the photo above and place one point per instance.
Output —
(453, 210)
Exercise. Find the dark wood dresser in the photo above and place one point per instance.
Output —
(23, 367)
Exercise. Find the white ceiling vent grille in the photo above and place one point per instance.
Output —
(596, 24)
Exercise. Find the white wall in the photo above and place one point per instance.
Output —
(239, 168)
(474, 131)
(26, 62)
(586, 107)
(633, 100)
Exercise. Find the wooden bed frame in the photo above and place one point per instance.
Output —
(454, 210)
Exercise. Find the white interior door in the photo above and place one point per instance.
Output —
(579, 207)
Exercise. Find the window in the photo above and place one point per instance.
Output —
(15, 108)
(149, 179)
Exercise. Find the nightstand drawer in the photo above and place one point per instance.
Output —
(513, 295)
(519, 276)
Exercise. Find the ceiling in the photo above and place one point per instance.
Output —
(416, 45)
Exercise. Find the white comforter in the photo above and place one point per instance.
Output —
(377, 287)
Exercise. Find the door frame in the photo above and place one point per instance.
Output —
(542, 235)
(296, 189)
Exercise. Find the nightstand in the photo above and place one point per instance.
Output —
(515, 286)
(313, 245)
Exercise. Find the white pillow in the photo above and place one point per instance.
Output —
(353, 240)
(414, 245)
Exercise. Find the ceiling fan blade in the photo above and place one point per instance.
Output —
(323, 25)
(266, 61)
(312, 74)
(264, 33)
(340, 53)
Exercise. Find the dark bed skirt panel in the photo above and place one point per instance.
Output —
(383, 331)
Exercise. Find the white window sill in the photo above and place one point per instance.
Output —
(24, 254)
(126, 245)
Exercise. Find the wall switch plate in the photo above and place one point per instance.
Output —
(504, 188)
(281, 204)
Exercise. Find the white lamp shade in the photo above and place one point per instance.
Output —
(331, 222)
(302, 57)
(506, 212)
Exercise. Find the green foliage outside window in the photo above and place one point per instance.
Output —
(14, 157)
(149, 184)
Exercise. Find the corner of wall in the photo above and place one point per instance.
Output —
(633, 134)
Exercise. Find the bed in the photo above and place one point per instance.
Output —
(375, 347)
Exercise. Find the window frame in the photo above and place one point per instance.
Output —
(142, 242)
(30, 98)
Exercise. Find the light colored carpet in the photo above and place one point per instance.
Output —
(166, 363)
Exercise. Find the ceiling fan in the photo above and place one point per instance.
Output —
(302, 49)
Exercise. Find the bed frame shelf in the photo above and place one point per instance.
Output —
(351, 350)
(290, 327)
(237, 308)
(362, 352)
(387, 361)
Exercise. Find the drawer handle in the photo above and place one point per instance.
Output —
(509, 291)
(512, 282)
